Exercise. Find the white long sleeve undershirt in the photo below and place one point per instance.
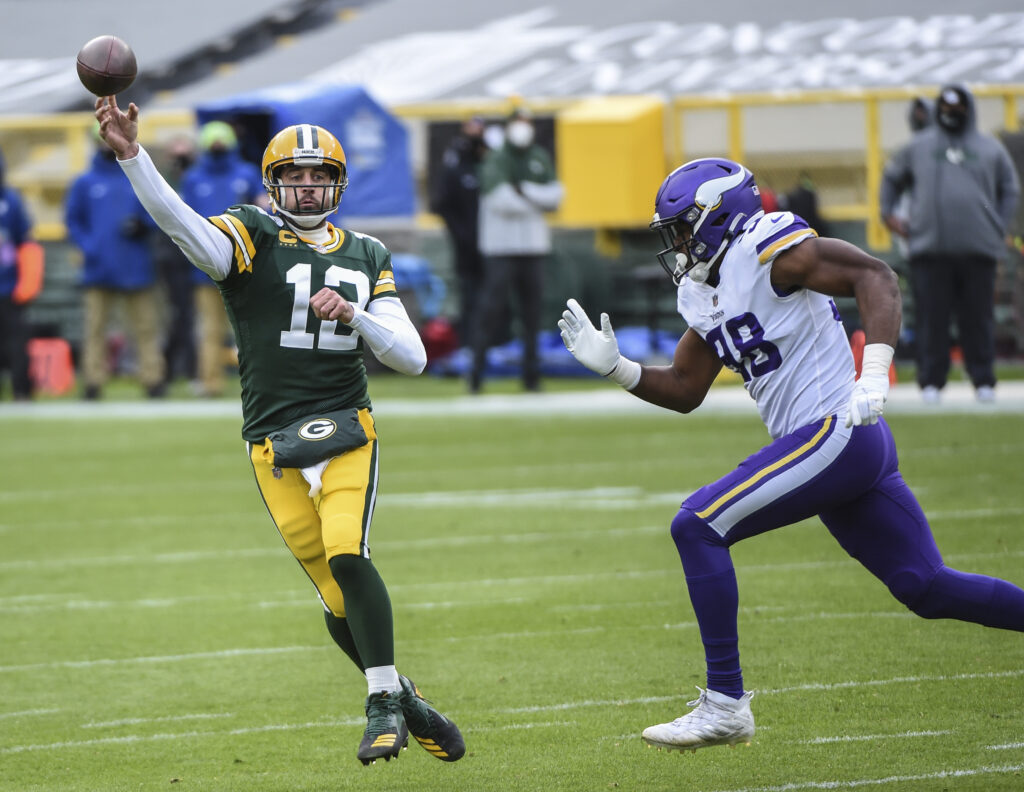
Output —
(389, 332)
(384, 325)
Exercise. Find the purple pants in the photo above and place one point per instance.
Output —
(850, 479)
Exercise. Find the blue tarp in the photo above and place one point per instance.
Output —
(414, 275)
(376, 143)
(636, 343)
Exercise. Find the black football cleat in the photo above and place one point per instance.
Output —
(386, 733)
(438, 735)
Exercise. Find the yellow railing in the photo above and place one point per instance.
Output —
(862, 166)
(874, 153)
(44, 153)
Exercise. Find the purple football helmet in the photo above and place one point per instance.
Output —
(700, 208)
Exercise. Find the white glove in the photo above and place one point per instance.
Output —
(596, 349)
(872, 389)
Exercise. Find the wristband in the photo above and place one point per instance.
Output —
(625, 372)
(877, 360)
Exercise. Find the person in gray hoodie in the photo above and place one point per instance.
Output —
(963, 191)
(518, 185)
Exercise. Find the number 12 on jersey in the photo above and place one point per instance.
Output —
(330, 335)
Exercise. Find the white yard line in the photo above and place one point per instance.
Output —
(873, 737)
(272, 727)
(27, 713)
(273, 650)
(182, 557)
(163, 719)
(142, 738)
(895, 681)
(522, 726)
(106, 662)
(865, 782)
(957, 397)
(125, 739)
(813, 686)
(189, 557)
(602, 498)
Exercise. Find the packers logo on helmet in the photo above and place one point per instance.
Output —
(304, 146)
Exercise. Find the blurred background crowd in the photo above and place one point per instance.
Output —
(449, 116)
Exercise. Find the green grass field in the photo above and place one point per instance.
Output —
(155, 634)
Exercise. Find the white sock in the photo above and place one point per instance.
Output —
(381, 678)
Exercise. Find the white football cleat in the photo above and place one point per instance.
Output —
(717, 719)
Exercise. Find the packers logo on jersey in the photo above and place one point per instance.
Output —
(318, 429)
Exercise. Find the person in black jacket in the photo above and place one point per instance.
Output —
(456, 199)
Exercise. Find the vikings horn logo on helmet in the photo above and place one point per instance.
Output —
(700, 208)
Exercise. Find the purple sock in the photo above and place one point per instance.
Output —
(715, 601)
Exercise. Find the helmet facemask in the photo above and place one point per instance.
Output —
(689, 254)
(682, 252)
(311, 216)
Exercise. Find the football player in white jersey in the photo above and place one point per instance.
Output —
(756, 293)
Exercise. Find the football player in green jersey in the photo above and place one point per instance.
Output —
(303, 297)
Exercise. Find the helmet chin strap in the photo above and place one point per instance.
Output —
(305, 222)
(701, 272)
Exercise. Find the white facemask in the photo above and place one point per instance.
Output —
(520, 133)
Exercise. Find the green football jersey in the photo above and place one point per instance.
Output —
(291, 364)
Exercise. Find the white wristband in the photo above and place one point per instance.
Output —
(877, 360)
(626, 373)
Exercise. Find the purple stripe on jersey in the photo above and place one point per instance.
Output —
(798, 224)
(761, 468)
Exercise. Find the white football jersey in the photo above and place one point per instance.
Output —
(790, 348)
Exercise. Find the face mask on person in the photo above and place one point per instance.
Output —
(952, 112)
(520, 133)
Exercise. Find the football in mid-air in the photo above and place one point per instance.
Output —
(106, 65)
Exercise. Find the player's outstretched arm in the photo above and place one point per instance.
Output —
(205, 246)
(681, 386)
(839, 269)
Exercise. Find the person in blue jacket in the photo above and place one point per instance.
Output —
(15, 234)
(107, 222)
(219, 178)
